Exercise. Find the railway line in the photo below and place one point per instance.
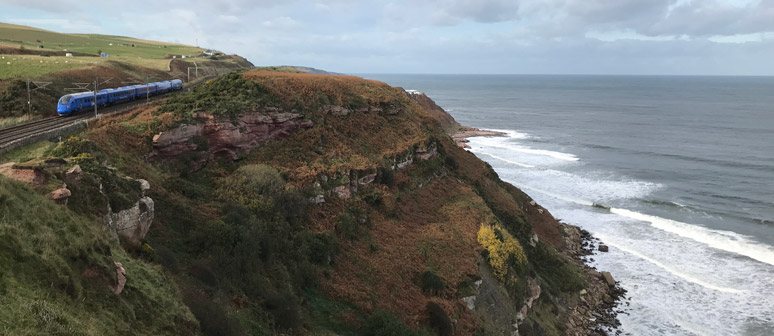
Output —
(20, 135)
(15, 136)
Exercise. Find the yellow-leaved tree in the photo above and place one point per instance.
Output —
(504, 250)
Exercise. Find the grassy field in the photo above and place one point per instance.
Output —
(30, 66)
(16, 36)
(17, 42)
(23, 66)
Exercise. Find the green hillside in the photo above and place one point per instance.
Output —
(37, 55)
(15, 36)
(57, 269)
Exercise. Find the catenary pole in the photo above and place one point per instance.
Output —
(29, 98)
(96, 82)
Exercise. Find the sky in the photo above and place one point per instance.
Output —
(651, 37)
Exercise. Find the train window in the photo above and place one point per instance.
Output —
(64, 100)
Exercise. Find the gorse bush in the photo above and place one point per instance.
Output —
(75, 147)
(504, 251)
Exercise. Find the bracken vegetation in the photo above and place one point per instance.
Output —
(392, 250)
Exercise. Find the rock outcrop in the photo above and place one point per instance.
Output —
(74, 174)
(349, 182)
(120, 278)
(593, 311)
(60, 195)
(226, 138)
(132, 224)
(492, 305)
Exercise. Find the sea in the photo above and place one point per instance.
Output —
(685, 165)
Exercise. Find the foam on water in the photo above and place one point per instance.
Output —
(686, 277)
(722, 240)
(514, 134)
(583, 190)
(528, 150)
(719, 239)
(509, 161)
(683, 279)
(506, 143)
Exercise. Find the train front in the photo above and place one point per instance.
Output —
(64, 107)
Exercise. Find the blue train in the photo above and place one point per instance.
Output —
(71, 103)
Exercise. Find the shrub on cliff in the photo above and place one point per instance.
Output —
(260, 188)
(439, 320)
(431, 282)
(75, 146)
(212, 316)
(384, 323)
(504, 251)
(227, 96)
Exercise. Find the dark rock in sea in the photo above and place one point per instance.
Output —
(603, 248)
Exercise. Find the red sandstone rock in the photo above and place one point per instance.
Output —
(226, 139)
(32, 176)
(60, 195)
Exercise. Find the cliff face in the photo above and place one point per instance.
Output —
(226, 139)
(332, 204)
(444, 119)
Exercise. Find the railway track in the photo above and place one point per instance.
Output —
(11, 136)
(23, 134)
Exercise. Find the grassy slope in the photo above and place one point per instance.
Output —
(46, 288)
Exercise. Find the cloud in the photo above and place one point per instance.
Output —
(283, 22)
(521, 36)
(61, 25)
(43, 5)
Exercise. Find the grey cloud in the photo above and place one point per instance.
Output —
(617, 11)
(485, 11)
(695, 19)
(450, 12)
(43, 5)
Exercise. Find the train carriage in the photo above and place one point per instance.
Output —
(71, 103)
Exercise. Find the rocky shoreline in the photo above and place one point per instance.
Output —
(595, 311)
(462, 135)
